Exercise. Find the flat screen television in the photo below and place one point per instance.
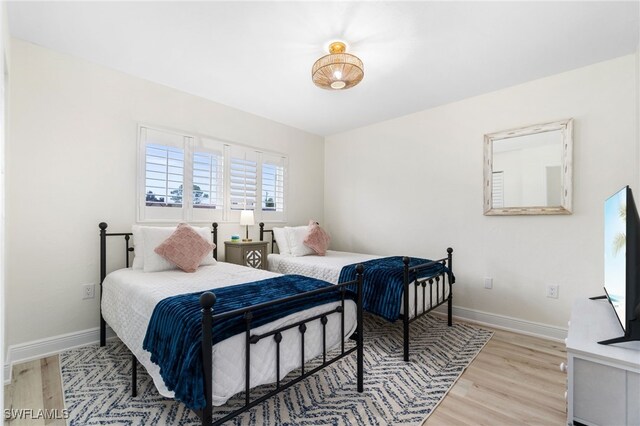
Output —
(622, 262)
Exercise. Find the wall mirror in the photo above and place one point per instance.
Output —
(528, 171)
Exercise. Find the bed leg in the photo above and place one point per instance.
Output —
(405, 317)
(207, 300)
(360, 330)
(450, 299)
(103, 331)
(134, 376)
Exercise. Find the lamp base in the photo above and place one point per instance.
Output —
(246, 240)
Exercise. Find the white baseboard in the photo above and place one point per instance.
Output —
(41, 348)
(503, 322)
(7, 374)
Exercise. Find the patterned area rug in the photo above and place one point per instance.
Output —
(97, 383)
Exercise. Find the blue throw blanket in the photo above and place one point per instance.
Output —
(174, 334)
(383, 283)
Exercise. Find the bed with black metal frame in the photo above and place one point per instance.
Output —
(207, 302)
(442, 281)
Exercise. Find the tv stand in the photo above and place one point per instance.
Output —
(622, 339)
(603, 382)
(604, 296)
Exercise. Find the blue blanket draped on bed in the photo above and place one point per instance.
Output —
(383, 283)
(174, 334)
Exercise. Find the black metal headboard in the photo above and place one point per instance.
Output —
(128, 250)
(262, 232)
(273, 240)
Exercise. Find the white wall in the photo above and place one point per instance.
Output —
(413, 186)
(71, 163)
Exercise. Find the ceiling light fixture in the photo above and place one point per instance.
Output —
(337, 70)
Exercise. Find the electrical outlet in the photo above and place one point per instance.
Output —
(553, 290)
(88, 291)
(488, 282)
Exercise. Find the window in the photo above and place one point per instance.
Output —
(224, 178)
(273, 169)
(208, 180)
(164, 171)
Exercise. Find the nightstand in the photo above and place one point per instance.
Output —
(247, 253)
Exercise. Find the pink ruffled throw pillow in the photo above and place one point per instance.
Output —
(185, 248)
(317, 239)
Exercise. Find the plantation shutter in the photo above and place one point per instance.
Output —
(197, 178)
(243, 178)
(272, 194)
(162, 158)
(497, 190)
(208, 180)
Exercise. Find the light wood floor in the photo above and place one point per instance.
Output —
(514, 380)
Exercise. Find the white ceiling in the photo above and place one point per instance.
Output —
(257, 56)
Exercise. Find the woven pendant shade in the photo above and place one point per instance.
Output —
(338, 70)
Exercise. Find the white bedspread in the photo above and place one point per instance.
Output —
(129, 297)
(328, 268)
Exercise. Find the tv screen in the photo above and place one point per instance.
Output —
(615, 252)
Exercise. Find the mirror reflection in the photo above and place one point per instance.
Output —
(527, 170)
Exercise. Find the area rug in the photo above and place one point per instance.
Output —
(97, 383)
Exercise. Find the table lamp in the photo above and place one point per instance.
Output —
(246, 219)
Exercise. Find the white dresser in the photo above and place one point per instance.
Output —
(603, 382)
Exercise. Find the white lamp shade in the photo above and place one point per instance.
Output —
(246, 217)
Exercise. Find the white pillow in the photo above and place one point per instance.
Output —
(295, 238)
(138, 248)
(280, 236)
(147, 238)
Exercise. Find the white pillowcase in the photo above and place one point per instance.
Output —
(147, 238)
(295, 238)
(280, 236)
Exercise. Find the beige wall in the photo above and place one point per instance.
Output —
(413, 186)
(72, 163)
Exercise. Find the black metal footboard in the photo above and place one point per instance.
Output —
(443, 293)
(443, 289)
(207, 301)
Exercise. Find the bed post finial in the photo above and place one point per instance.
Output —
(103, 225)
(261, 225)
(215, 239)
(406, 260)
(207, 300)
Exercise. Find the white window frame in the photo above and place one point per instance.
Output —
(187, 213)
